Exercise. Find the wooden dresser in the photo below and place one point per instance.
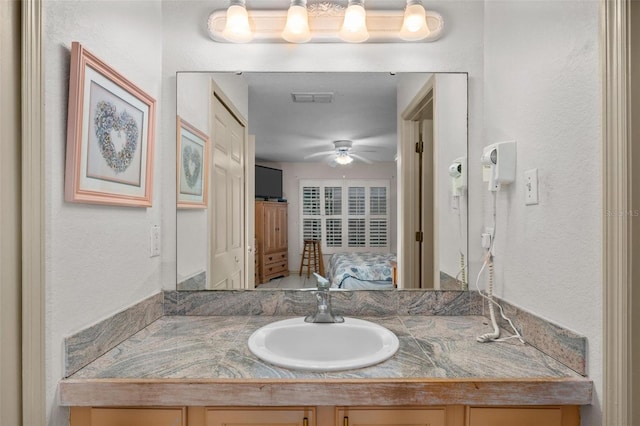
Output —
(271, 238)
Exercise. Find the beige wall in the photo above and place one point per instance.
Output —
(10, 390)
(635, 200)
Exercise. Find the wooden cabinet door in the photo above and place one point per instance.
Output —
(349, 416)
(244, 416)
(90, 416)
(274, 227)
(270, 229)
(281, 227)
(523, 416)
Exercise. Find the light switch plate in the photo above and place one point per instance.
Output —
(531, 187)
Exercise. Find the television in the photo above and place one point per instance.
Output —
(268, 182)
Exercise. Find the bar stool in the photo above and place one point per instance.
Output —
(312, 258)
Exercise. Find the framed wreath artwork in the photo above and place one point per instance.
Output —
(192, 146)
(110, 136)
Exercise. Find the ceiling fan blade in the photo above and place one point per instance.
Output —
(357, 157)
(317, 154)
(365, 148)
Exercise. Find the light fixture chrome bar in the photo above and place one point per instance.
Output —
(383, 25)
(356, 3)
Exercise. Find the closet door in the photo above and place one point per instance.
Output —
(227, 241)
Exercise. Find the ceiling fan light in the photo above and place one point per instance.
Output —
(354, 26)
(343, 159)
(237, 29)
(414, 26)
(297, 27)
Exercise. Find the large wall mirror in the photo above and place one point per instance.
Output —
(358, 176)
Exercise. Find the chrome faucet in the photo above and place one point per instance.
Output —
(323, 313)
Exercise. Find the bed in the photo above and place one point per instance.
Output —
(362, 271)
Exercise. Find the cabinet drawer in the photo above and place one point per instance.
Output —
(505, 416)
(275, 257)
(251, 416)
(98, 416)
(275, 268)
(375, 416)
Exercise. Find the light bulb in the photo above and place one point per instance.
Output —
(343, 159)
(297, 27)
(237, 29)
(354, 26)
(414, 26)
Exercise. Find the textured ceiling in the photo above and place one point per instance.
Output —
(363, 110)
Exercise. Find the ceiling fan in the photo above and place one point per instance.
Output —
(343, 153)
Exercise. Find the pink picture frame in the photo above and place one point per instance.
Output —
(110, 136)
(192, 166)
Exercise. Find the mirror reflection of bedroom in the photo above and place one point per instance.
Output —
(357, 177)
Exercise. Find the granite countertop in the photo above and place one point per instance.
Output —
(188, 360)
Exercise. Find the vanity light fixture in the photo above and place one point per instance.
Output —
(296, 29)
(325, 22)
(237, 29)
(354, 26)
(414, 26)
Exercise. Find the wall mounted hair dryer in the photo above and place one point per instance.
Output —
(499, 164)
(458, 173)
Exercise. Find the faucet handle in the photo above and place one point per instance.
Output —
(323, 283)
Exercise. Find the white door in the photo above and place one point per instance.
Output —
(227, 218)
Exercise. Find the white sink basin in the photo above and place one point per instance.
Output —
(295, 344)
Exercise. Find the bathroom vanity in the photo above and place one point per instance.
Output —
(325, 416)
(198, 370)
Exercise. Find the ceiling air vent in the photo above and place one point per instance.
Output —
(312, 97)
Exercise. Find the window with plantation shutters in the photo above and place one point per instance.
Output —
(334, 233)
(312, 229)
(345, 215)
(378, 233)
(378, 228)
(357, 233)
(333, 200)
(356, 201)
(311, 200)
(378, 200)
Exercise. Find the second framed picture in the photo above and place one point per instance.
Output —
(192, 166)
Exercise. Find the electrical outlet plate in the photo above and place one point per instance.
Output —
(486, 237)
(485, 240)
(531, 187)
